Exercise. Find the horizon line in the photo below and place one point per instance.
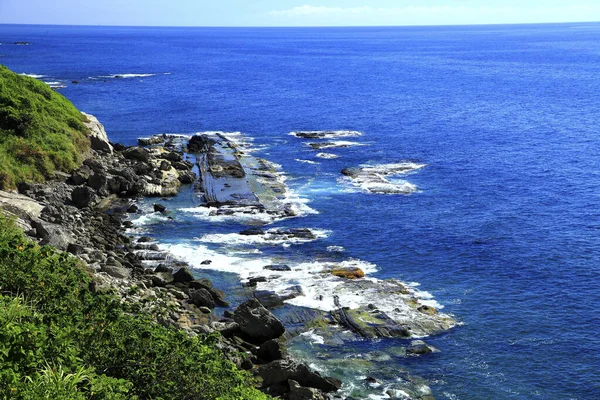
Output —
(300, 26)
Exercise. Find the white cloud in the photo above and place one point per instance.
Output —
(419, 15)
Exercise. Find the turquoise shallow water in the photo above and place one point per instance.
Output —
(505, 229)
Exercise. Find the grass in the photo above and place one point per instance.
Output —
(60, 340)
(40, 131)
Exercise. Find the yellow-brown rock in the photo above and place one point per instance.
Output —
(348, 273)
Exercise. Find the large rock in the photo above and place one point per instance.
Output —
(298, 392)
(98, 137)
(52, 234)
(257, 322)
(184, 275)
(137, 153)
(201, 298)
(84, 196)
(20, 205)
(280, 371)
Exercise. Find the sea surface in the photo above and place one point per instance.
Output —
(504, 229)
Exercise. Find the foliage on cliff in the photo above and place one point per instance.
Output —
(60, 340)
(40, 131)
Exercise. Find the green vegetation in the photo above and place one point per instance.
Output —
(40, 131)
(60, 340)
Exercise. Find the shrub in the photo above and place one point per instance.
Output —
(58, 340)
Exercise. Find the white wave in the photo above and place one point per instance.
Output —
(36, 76)
(335, 249)
(150, 219)
(127, 76)
(312, 337)
(335, 144)
(307, 161)
(376, 178)
(327, 156)
(271, 237)
(240, 215)
(325, 134)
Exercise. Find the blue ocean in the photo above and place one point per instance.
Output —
(502, 230)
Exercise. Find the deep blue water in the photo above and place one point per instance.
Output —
(505, 231)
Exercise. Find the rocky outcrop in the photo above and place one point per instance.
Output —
(256, 322)
(98, 137)
(282, 371)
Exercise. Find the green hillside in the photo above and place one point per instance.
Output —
(40, 131)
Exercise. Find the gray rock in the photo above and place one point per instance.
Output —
(162, 279)
(281, 371)
(201, 298)
(116, 272)
(257, 322)
(298, 392)
(159, 208)
(277, 267)
(268, 298)
(98, 137)
(52, 234)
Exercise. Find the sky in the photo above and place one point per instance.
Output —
(295, 12)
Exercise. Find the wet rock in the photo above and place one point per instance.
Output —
(277, 267)
(419, 347)
(257, 322)
(164, 165)
(184, 275)
(252, 282)
(252, 231)
(84, 196)
(428, 310)
(132, 209)
(267, 298)
(159, 208)
(145, 239)
(206, 262)
(187, 177)
(280, 371)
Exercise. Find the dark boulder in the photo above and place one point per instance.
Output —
(133, 209)
(164, 165)
(137, 153)
(280, 371)
(84, 196)
(277, 267)
(257, 322)
(184, 275)
(187, 177)
(269, 351)
(201, 298)
(252, 231)
(159, 208)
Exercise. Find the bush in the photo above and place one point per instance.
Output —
(40, 131)
(58, 340)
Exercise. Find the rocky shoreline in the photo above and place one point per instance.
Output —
(85, 214)
(88, 214)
